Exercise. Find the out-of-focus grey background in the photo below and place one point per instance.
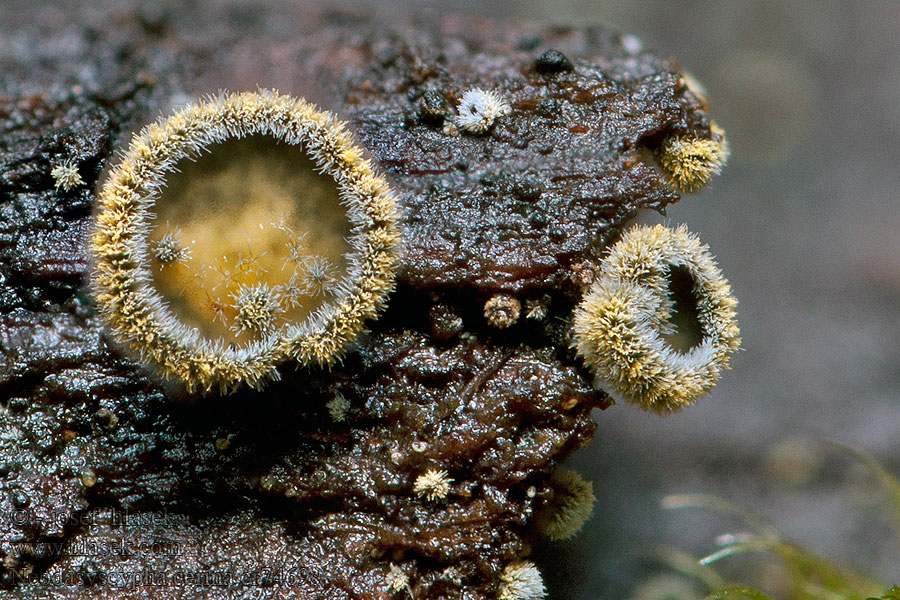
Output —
(805, 222)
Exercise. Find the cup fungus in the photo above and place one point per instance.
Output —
(570, 507)
(620, 324)
(689, 163)
(271, 251)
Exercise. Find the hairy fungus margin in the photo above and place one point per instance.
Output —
(139, 316)
(619, 324)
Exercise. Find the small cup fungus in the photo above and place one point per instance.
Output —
(620, 324)
(689, 163)
(282, 251)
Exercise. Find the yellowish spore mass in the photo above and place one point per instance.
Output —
(252, 211)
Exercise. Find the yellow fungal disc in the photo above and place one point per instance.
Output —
(244, 230)
(619, 325)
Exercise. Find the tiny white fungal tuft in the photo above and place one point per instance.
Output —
(502, 311)
(536, 308)
(521, 581)
(433, 485)
(397, 579)
(319, 277)
(169, 250)
(478, 109)
(66, 175)
(256, 307)
(338, 407)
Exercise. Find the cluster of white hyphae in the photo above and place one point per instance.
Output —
(169, 250)
(66, 175)
(478, 109)
(255, 305)
(521, 581)
(433, 484)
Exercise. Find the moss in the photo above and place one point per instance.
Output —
(802, 569)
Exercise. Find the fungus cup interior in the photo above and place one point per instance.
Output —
(686, 330)
(262, 238)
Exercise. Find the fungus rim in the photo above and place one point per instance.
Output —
(618, 325)
(121, 276)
